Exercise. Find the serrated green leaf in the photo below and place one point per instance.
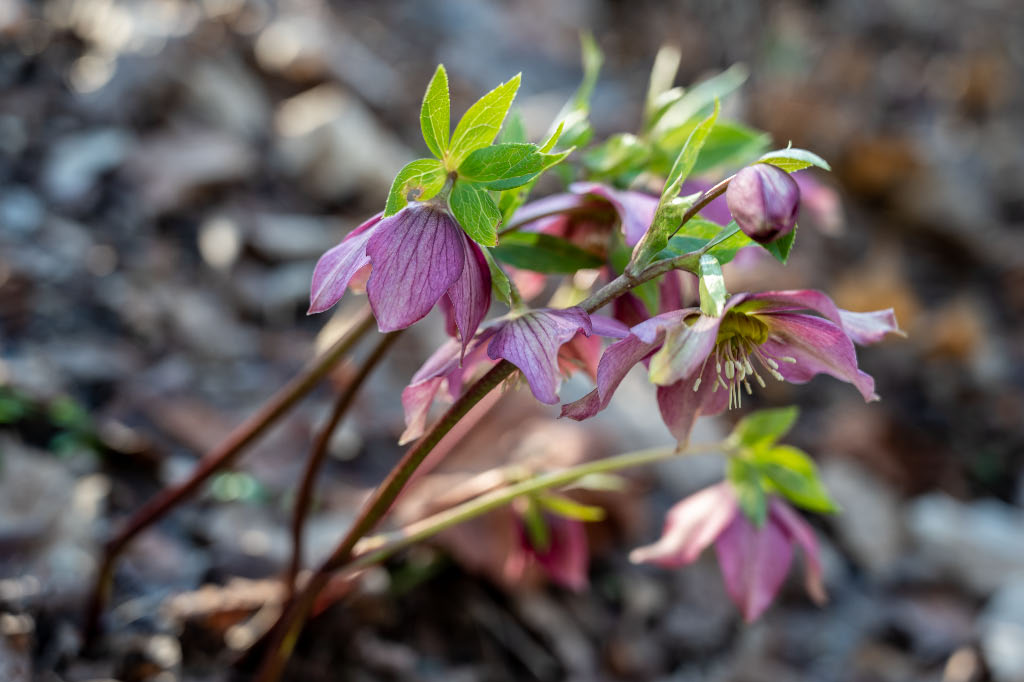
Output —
(511, 199)
(762, 428)
(792, 159)
(570, 509)
(475, 211)
(700, 96)
(781, 247)
(795, 476)
(481, 123)
(746, 481)
(697, 232)
(543, 253)
(712, 286)
(503, 166)
(435, 113)
(514, 129)
(419, 180)
(499, 280)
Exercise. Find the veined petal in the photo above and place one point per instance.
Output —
(531, 342)
(470, 295)
(870, 327)
(417, 254)
(629, 309)
(818, 347)
(338, 266)
(682, 402)
(686, 348)
(690, 527)
(754, 563)
(608, 327)
(791, 300)
(529, 215)
(636, 209)
(801, 532)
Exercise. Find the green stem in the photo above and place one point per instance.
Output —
(319, 452)
(378, 548)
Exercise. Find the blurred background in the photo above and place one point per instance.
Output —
(169, 172)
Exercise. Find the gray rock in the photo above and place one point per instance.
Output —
(227, 95)
(1001, 632)
(76, 162)
(21, 212)
(869, 525)
(290, 237)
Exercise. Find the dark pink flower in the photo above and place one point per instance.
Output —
(588, 212)
(417, 256)
(564, 560)
(754, 561)
(544, 344)
(764, 200)
(702, 364)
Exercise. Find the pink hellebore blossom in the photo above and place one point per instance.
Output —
(564, 560)
(633, 210)
(543, 344)
(702, 364)
(417, 256)
(764, 200)
(754, 561)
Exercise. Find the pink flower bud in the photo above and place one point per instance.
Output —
(763, 200)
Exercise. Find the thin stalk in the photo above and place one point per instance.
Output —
(705, 199)
(304, 496)
(378, 548)
(221, 457)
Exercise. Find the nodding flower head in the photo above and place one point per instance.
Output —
(763, 200)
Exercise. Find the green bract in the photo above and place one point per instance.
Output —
(481, 122)
(712, 286)
(791, 159)
(419, 180)
(475, 211)
(435, 114)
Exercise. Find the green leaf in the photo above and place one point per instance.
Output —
(514, 129)
(794, 474)
(762, 428)
(712, 286)
(663, 73)
(746, 481)
(553, 138)
(511, 199)
(792, 159)
(620, 154)
(702, 95)
(435, 113)
(419, 180)
(698, 231)
(570, 509)
(503, 166)
(781, 247)
(499, 280)
(729, 144)
(688, 156)
(543, 253)
(473, 207)
(573, 116)
(481, 123)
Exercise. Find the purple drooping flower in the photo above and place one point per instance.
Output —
(588, 212)
(702, 364)
(417, 256)
(754, 561)
(763, 200)
(542, 343)
(564, 560)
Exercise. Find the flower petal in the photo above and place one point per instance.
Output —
(470, 295)
(567, 557)
(681, 403)
(685, 351)
(818, 347)
(690, 527)
(417, 254)
(531, 342)
(529, 214)
(754, 562)
(338, 266)
(801, 532)
(870, 327)
(636, 209)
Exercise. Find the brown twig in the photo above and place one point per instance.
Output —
(304, 496)
(242, 436)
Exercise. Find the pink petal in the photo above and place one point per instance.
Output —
(567, 557)
(680, 404)
(338, 266)
(531, 342)
(690, 527)
(529, 214)
(636, 209)
(821, 201)
(470, 295)
(818, 346)
(870, 327)
(417, 254)
(629, 309)
(685, 350)
(754, 563)
(790, 301)
(801, 532)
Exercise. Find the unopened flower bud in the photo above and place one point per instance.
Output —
(763, 200)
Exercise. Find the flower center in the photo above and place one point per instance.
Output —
(740, 337)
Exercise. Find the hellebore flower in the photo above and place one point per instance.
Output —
(542, 343)
(763, 200)
(417, 256)
(565, 558)
(590, 210)
(754, 561)
(702, 364)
